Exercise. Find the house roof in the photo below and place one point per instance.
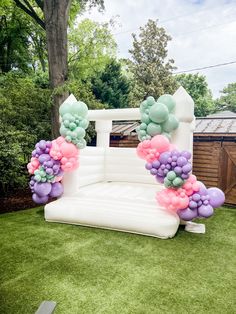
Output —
(216, 126)
(209, 126)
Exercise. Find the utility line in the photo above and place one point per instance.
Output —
(206, 67)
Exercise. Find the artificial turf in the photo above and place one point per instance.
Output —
(87, 270)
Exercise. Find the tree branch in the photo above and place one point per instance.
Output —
(30, 12)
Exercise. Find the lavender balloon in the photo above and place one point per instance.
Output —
(216, 196)
(42, 189)
(39, 199)
(187, 214)
(57, 189)
(42, 147)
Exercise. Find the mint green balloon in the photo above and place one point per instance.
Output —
(37, 177)
(68, 138)
(79, 108)
(177, 182)
(167, 183)
(158, 113)
(143, 106)
(66, 123)
(68, 116)
(153, 129)
(171, 175)
(170, 124)
(84, 123)
(64, 108)
(167, 100)
(145, 118)
(81, 144)
(79, 132)
(72, 126)
(143, 126)
(142, 132)
(150, 101)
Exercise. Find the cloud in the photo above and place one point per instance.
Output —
(203, 32)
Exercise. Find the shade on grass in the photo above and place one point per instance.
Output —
(88, 270)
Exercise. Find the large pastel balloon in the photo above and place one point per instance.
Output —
(39, 199)
(158, 113)
(153, 129)
(170, 124)
(187, 214)
(68, 150)
(167, 100)
(77, 107)
(42, 189)
(217, 197)
(161, 143)
(57, 189)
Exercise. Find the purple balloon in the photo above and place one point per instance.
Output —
(57, 189)
(216, 197)
(42, 144)
(159, 179)
(164, 157)
(42, 189)
(205, 211)
(196, 197)
(203, 189)
(148, 166)
(181, 161)
(43, 158)
(192, 205)
(39, 199)
(186, 154)
(178, 170)
(187, 214)
(153, 171)
(156, 164)
(187, 168)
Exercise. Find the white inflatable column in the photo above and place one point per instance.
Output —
(183, 136)
(103, 129)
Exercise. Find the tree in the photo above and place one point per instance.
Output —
(53, 17)
(197, 87)
(111, 86)
(91, 46)
(227, 101)
(152, 72)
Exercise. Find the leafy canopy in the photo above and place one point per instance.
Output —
(152, 71)
(227, 101)
(197, 87)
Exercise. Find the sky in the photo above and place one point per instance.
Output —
(203, 32)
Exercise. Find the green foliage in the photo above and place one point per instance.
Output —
(228, 99)
(197, 87)
(91, 46)
(24, 119)
(111, 86)
(152, 72)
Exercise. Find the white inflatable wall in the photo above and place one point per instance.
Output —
(112, 189)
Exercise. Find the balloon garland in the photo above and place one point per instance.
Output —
(183, 193)
(157, 117)
(51, 159)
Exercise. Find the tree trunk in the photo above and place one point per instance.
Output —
(56, 13)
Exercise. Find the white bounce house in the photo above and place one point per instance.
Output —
(112, 189)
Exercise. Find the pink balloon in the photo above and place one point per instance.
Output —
(66, 152)
(160, 143)
(191, 185)
(69, 149)
(172, 199)
(33, 165)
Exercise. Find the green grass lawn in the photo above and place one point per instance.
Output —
(88, 270)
